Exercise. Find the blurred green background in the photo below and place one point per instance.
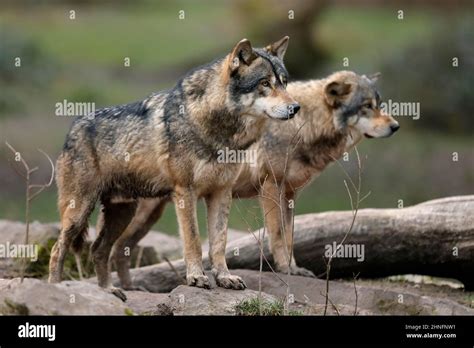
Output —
(82, 59)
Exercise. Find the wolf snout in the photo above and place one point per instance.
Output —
(394, 127)
(293, 109)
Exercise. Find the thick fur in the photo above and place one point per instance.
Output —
(165, 147)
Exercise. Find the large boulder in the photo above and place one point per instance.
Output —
(13, 233)
(36, 297)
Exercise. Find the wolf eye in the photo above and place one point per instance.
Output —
(368, 105)
(266, 83)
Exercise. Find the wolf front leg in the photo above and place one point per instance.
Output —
(279, 223)
(218, 206)
(185, 201)
(288, 204)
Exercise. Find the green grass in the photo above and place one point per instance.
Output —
(255, 306)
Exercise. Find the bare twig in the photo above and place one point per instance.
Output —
(355, 203)
(326, 296)
(29, 194)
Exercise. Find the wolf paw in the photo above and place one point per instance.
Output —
(230, 281)
(200, 281)
(117, 292)
(301, 271)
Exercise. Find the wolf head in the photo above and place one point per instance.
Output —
(356, 105)
(257, 81)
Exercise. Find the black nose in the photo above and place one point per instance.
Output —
(395, 127)
(293, 109)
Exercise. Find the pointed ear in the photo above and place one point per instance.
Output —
(336, 90)
(278, 48)
(242, 53)
(374, 77)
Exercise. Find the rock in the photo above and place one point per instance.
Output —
(36, 297)
(371, 299)
(147, 303)
(163, 244)
(187, 300)
(13, 232)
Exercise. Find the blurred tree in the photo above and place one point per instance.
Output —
(269, 20)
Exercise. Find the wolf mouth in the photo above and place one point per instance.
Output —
(287, 117)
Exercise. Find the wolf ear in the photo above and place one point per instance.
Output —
(374, 77)
(278, 48)
(242, 53)
(335, 90)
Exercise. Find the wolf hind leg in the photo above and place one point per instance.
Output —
(147, 214)
(74, 223)
(114, 219)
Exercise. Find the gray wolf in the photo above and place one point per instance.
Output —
(165, 147)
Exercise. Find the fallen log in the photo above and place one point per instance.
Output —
(432, 238)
